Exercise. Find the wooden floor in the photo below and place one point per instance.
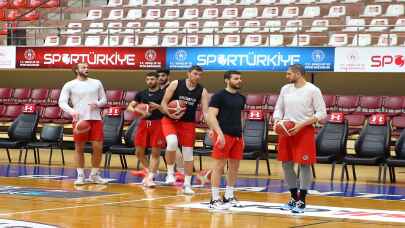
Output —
(131, 205)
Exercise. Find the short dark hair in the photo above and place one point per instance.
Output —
(151, 74)
(164, 71)
(297, 68)
(195, 67)
(227, 74)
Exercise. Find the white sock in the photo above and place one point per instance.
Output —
(180, 170)
(187, 180)
(151, 175)
(229, 192)
(170, 169)
(94, 171)
(80, 172)
(215, 193)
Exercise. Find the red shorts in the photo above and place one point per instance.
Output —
(233, 148)
(95, 134)
(299, 148)
(185, 131)
(149, 134)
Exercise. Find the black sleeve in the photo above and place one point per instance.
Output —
(243, 102)
(216, 101)
(138, 97)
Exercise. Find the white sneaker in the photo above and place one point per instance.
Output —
(217, 205)
(96, 179)
(170, 180)
(80, 180)
(148, 182)
(188, 190)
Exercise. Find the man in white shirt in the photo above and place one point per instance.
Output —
(87, 97)
(300, 102)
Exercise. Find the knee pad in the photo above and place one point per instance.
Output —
(187, 153)
(171, 142)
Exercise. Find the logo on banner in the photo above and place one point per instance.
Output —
(318, 55)
(255, 115)
(150, 55)
(382, 61)
(29, 54)
(181, 55)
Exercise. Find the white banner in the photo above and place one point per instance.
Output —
(370, 59)
(7, 57)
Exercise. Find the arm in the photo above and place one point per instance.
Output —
(279, 108)
(204, 103)
(102, 98)
(213, 124)
(166, 98)
(64, 100)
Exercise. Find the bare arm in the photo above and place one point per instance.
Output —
(213, 124)
(204, 103)
(131, 106)
(168, 95)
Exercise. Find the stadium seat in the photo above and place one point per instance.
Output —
(311, 12)
(170, 40)
(255, 101)
(246, 2)
(4, 4)
(372, 11)
(11, 112)
(252, 40)
(133, 14)
(399, 25)
(171, 27)
(248, 13)
(231, 41)
(3, 28)
(272, 26)
(232, 26)
(114, 3)
(354, 25)
(95, 28)
(369, 105)
(134, 3)
(209, 2)
(326, 1)
(271, 102)
(115, 14)
(171, 14)
(290, 12)
(114, 97)
(3, 17)
(398, 125)
(150, 41)
(270, 12)
(190, 13)
(251, 27)
(286, 2)
(128, 97)
(349, 1)
(73, 28)
(20, 96)
(51, 41)
(152, 14)
(51, 4)
(18, 4)
(190, 40)
(347, 104)
(210, 27)
(91, 41)
(210, 40)
(111, 41)
(53, 97)
(361, 40)
(336, 11)
(393, 105)
(293, 26)
(65, 118)
(266, 2)
(205, 150)
(12, 15)
(73, 41)
(31, 16)
(132, 27)
(151, 27)
(330, 101)
(39, 96)
(378, 25)
(153, 2)
(227, 2)
(172, 2)
(190, 2)
(320, 25)
(191, 27)
(338, 40)
(210, 13)
(130, 41)
(356, 122)
(94, 15)
(395, 10)
(301, 40)
(113, 28)
(306, 2)
(274, 40)
(5, 94)
(50, 114)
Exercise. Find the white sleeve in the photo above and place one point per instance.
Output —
(64, 99)
(102, 98)
(279, 108)
(319, 105)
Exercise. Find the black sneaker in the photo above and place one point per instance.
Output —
(299, 207)
(232, 201)
(217, 205)
(288, 206)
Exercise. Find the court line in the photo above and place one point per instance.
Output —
(312, 224)
(96, 204)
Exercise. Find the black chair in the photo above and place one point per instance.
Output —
(255, 138)
(331, 144)
(126, 148)
(372, 148)
(398, 160)
(51, 137)
(206, 148)
(21, 132)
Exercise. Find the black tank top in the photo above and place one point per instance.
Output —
(191, 97)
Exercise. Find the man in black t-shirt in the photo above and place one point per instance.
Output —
(225, 120)
(149, 131)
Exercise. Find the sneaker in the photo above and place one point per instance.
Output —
(96, 179)
(148, 182)
(233, 202)
(217, 205)
(80, 180)
(188, 190)
(289, 206)
(140, 173)
(179, 177)
(299, 207)
(170, 180)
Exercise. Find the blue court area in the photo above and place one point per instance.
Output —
(336, 188)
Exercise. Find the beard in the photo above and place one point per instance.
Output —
(235, 86)
(84, 74)
(152, 86)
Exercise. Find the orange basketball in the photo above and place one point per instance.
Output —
(177, 106)
(82, 126)
(283, 126)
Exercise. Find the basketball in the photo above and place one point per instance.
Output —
(177, 106)
(204, 177)
(82, 126)
(143, 107)
(283, 126)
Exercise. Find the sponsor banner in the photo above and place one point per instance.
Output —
(15, 223)
(250, 59)
(370, 59)
(7, 57)
(311, 210)
(96, 57)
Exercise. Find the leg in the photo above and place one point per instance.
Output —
(97, 153)
(291, 178)
(217, 171)
(154, 160)
(231, 177)
(305, 180)
(140, 154)
(179, 161)
(171, 145)
(188, 165)
(79, 159)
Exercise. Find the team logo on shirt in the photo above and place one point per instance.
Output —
(305, 157)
